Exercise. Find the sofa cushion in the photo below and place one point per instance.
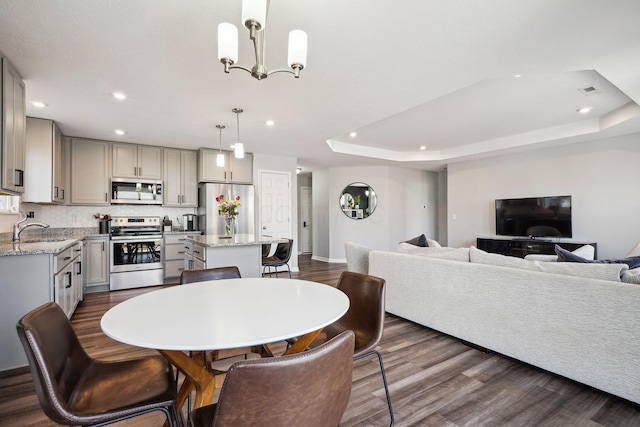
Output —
(455, 254)
(611, 272)
(586, 252)
(631, 276)
(420, 241)
(566, 256)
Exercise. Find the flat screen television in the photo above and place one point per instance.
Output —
(534, 217)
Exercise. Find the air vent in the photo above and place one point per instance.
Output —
(588, 91)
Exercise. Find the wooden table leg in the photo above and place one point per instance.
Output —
(197, 375)
(302, 343)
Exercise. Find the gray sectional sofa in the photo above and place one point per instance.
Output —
(577, 320)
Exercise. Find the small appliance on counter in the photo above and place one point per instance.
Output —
(166, 224)
(189, 222)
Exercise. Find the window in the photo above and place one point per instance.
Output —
(9, 204)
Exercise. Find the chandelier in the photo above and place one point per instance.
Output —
(254, 18)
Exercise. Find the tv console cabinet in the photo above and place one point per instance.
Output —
(522, 247)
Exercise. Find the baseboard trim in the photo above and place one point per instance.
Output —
(329, 260)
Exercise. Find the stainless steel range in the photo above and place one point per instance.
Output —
(136, 252)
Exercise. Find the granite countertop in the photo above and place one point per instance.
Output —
(213, 241)
(31, 247)
(178, 231)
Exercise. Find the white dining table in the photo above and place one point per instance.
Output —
(223, 314)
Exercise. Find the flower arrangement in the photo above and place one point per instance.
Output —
(102, 217)
(228, 208)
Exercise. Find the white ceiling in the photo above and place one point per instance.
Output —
(402, 74)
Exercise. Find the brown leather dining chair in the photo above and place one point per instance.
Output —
(75, 389)
(218, 273)
(365, 317)
(305, 389)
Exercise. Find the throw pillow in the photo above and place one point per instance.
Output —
(455, 254)
(420, 240)
(566, 256)
(631, 276)
(634, 252)
(586, 252)
(433, 243)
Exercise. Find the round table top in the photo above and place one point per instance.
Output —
(221, 314)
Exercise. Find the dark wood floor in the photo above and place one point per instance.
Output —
(435, 380)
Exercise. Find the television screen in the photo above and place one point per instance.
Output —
(534, 217)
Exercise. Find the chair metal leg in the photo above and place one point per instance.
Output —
(384, 380)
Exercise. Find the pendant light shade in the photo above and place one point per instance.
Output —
(220, 156)
(238, 148)
(297, 49)
(227, 42)
(254, 12)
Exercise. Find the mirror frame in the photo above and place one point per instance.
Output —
(348, 205)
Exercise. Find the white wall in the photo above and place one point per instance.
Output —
(399, 214)
(601, 176)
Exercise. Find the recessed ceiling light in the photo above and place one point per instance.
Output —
(269, 123)
(38, 104)
(423, 147)
(353, 134)
(517, 76)
(298, 170)
(584, 110)
(119, 95)
(119, 132)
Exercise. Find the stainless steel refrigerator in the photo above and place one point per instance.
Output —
(209, 222)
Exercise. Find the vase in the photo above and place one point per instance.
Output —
(229, 227)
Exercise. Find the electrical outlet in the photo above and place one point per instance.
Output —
(31, 214)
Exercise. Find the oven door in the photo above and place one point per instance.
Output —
(136, 253)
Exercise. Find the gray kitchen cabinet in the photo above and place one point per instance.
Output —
(137, 161)
(89, 172)
(235, 170)
(44, 181)
(174, 251)
(96, 262)
(68, 278)
(12, 153)
(195, 256)
(180, 178)
(28, 281)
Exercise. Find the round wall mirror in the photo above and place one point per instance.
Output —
(358, 200)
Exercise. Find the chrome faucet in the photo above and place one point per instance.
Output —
(17, 228)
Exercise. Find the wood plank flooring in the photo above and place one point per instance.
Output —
(435, 380)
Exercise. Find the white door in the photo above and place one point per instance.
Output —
(305, 220)
(275, 204)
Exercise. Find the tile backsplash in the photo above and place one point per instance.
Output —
(83, 216)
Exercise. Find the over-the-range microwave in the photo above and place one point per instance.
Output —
(139, 192)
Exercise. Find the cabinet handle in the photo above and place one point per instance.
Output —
(180, 252)
(20, 178)
(197, 252)
(139, 171)
(231, 175)
(69, 279)
(62, 190)
(79, 268)
(181, 240)
(67, 258)
(225, 174)
(102, 246)
(106, 197)
(55, 192)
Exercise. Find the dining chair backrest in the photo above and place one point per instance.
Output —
(305, 389)
(365, 315)
(56, 359)
(283, 250)
(218, 273)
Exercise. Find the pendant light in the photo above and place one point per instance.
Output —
(220, 156)
(238, 149)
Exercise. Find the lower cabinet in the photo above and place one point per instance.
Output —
(174, 252)
(67, 280)
(194, 256)
(96, 262)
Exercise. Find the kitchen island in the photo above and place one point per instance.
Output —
(241, 250)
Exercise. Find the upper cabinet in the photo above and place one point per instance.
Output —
(180, 178)
(12, 154)
(234, 170)
(137, 161)
(44, 180)
(90, 172)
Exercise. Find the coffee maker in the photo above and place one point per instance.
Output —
(189, 222)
